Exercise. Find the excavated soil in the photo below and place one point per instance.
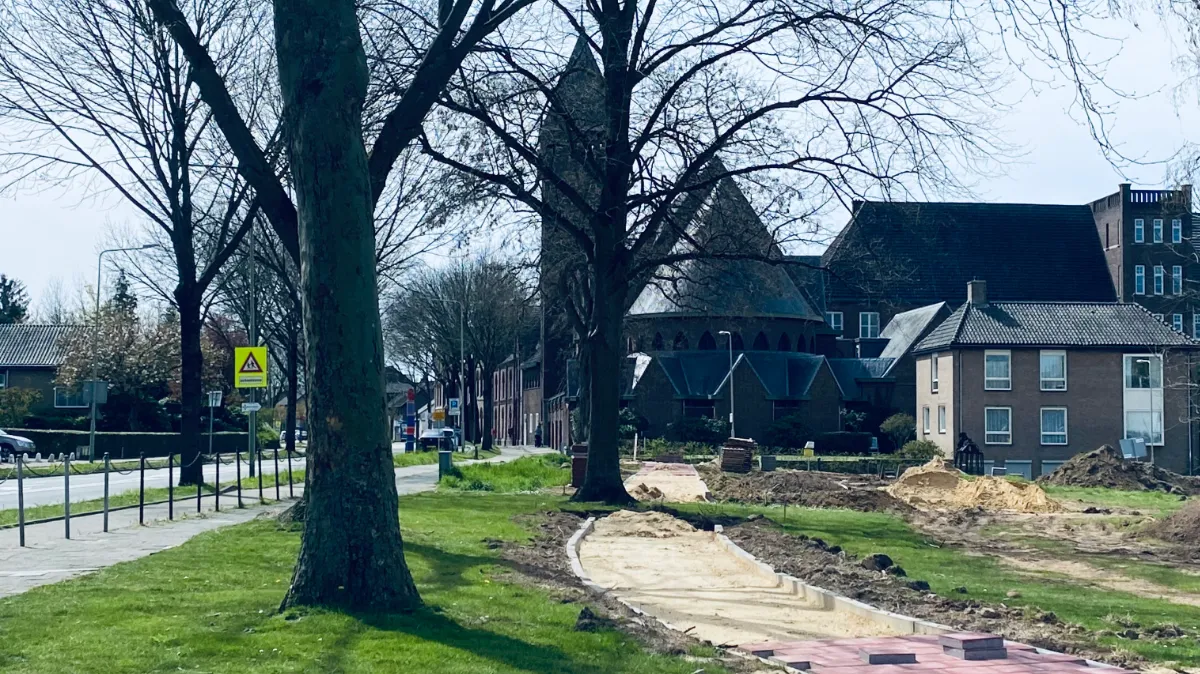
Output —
(1105, 467)
(936, 486)
(1182, 526)
(815, 562)
(801, 488)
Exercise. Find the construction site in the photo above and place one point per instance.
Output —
(1094, 567)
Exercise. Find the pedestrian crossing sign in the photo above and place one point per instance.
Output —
(250, 367)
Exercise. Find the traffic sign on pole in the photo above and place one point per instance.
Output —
(214, 398)
(251, 407)
(250, 367)
(453, 402)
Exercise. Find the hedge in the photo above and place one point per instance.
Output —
(125, 445)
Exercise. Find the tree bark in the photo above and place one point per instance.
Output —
(191, 372)
(489, 405)
(351, 553)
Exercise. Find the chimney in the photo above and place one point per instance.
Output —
(977, 293)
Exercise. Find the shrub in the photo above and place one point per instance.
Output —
(703, 430)
(920, 449)
(15, 404)
(267, 438)
(790, 432)
(631, 423)
(853, 420)
(899, 428)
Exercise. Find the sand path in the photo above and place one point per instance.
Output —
(669, 482)
(686, 578)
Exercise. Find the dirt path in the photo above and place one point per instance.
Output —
(669, 482)
(685, 577)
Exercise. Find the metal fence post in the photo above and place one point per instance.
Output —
(142, 488)
(237, 461)
(21, 496)
(217, 484)
(170, 486)
(258, 455)
(291, 491)
(200, 484)
(107, 467)
(277, 474)
(67, 496)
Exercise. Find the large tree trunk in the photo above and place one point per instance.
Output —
(603, 352)
(489, 406)
(351, 554)
(191, 371)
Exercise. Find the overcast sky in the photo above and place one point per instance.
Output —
(53, 235)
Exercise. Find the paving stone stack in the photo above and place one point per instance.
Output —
(737, 455)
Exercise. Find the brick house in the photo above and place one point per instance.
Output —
(1034, 383)
(30, 356)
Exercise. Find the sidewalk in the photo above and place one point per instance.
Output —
(49, 557)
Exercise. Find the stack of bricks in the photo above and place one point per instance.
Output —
(737, 456)
(965, 653)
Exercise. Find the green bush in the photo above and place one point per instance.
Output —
(631, 423)
(707, 431)
(268, 438)
(920, 449)
(789, 432)
(899, 428)
(15, 403)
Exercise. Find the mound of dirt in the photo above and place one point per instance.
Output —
(1182, 526)
(801, 488)
(934, 485)
(651, 524)
(1105, 467)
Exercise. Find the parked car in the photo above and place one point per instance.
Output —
(300, 433)
(439, 438)
(10, 445)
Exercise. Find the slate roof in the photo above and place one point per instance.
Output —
(850, 371)
(25, 345)
(724, 224)
(921, 253)
(1053, 324)
(702, 374)
(906, 328)
(809, 277)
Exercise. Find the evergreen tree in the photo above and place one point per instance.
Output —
(14, 301)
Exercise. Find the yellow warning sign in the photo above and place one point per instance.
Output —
(250, 367)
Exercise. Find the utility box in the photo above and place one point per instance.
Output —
(579, 458)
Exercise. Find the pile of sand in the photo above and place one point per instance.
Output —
(1105, 467)
(642, 525)
(672, 482)
(1182, 526)
(934, 485)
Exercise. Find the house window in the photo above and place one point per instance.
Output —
(1177, 231)
(868, 324)
(699, 409)
(4, 375)
(1177, 280)
(1139, 280)
(933, 373)
(1196, 325)
(1137, 425)
(834, 319)
(1139, 231)
(925, 420)
(941, 418)
(1159, 275)
(64, 397)
(1177, 322)
(1053, 370)
(997, 423)
(1157, 317)
(1054, 425)
(1158, 230)
(1140, 375)
(997, 370)
(785, 408)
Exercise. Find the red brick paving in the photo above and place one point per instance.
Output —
(844, 656)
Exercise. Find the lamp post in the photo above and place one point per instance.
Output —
(729, 337)
(1150, 373)
(95, 336)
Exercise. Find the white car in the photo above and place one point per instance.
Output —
(11, 445)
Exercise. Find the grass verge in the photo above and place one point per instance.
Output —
(210, 606)
(527, 474)
(429, 458)
(1155, 503)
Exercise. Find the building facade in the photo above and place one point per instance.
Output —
(30, 356)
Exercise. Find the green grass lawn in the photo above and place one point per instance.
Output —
(430, 458)
(529, 473)
(947, 568)
(1155, 503)
(210, 606)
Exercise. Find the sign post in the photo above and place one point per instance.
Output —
(410, 421)
(214, 401)
(250, 371)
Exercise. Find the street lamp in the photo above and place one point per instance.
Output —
(729, 335)
(1150, 373)
(95, 336)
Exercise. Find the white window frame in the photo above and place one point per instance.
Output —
(1127, 366)
(1158, 230)
(1160, 279)
(987, 434)
(829, 318)
(864, 325)
(1139, 230)
(64, 390)
(1139, 279)
(933, 373)
(925, 420)
(1176, 279)
(941, 419)
(1042, 426)
(1196, 325)
(1156, 426)
(1177, 322)
(1176, 230)
(3, 379)
(987, 386)
(1042, 381)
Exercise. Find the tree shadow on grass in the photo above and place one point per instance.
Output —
(447, 568)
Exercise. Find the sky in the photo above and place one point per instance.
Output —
(53, 235)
